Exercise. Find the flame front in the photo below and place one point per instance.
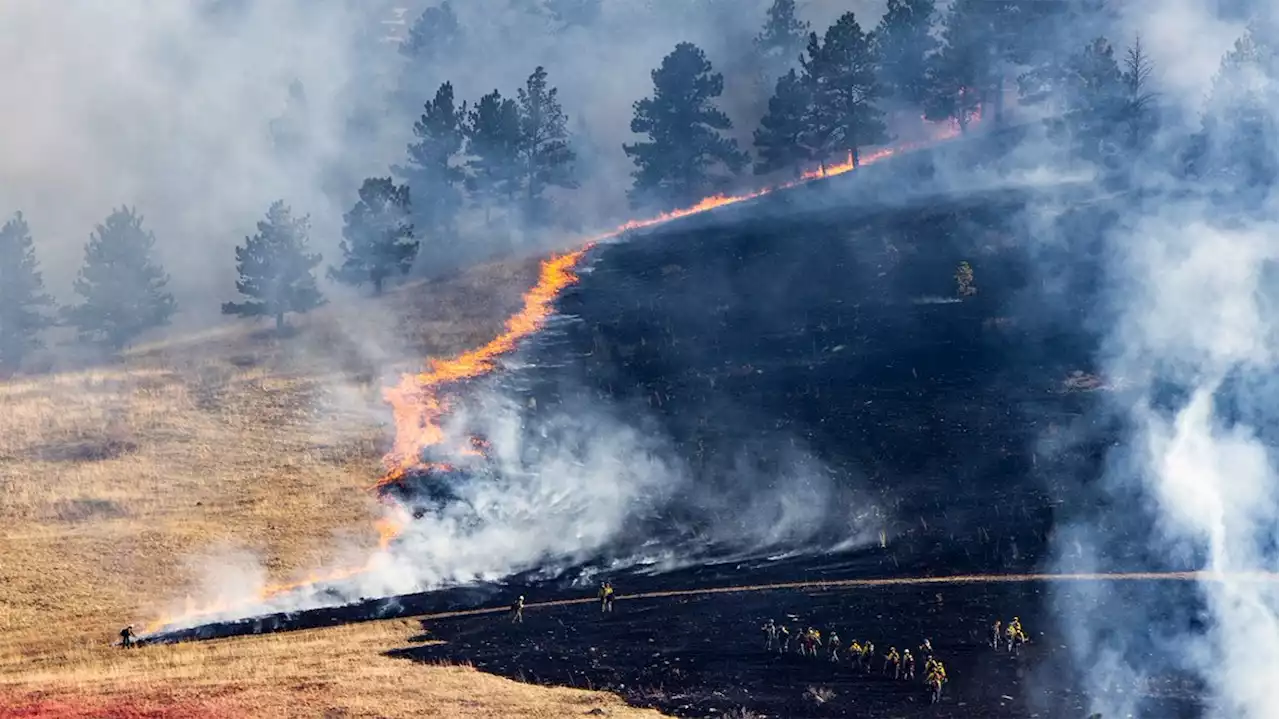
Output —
(419, 407)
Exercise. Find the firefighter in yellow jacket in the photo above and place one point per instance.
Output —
(892, 661)
(855, 653)
(606, 597)
(936, 677)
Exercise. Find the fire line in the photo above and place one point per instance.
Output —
(418, 405)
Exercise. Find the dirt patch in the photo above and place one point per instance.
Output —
(96, 449)
(81, 510)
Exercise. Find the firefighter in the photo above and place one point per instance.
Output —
(855, 653)
(908, 665)
(517, 610)
(127, 637)
(892, 660)
(785, 643)
(868, 654)
(936, 677)
(606, 597)
(802, 637)
(833, 646)
(770, 635)
(1015, 635)
(926, 648)
(815, 641)
(995, 635)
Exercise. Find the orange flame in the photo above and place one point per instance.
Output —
(418, 407)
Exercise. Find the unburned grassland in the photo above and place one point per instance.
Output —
(118, 481)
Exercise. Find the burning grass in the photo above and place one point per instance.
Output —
(115, 480)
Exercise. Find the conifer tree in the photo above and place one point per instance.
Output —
(782, 39)
(782, 140)
(1138, 108)
(903, 45)
(841, 70)
(676, 165)
(276, 268)
(23, 303)
(493, 148)
(122, 287)
(430, 172)
(547, 159)
(434, 36)
(377, 235)
(1239, 124)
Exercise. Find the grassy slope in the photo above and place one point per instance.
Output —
(115, 480)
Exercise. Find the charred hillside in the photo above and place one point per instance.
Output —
(836, 403)
(840, 339)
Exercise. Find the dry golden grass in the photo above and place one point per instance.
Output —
(115, 480)
(338, 672)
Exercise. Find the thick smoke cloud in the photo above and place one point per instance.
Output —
(1190, 321)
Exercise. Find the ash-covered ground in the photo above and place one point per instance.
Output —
(838, 407)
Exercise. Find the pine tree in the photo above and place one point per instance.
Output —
(675, 165)
(122, 287)
(782, 39)
(544, 147)
(23, 302)
(1239, 125)
(377, 235)
(493, 148)
(1089, 90)
(982, 40)
(433, 37)
(429, 170)
(276, 269)
(959, 70)
(1138, 110)
(782, 140)
(841, 70)
(903, 45)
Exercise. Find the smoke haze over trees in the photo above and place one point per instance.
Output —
(200, 114)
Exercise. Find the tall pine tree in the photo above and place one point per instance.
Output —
(435, 36)
(276, 268)
(841, 70)
(782, 141)
(547, 159)
(23, 303)
(1239, 124)
(377, 235)
(676, 165)
(493, 147)
(782, 39)
(122, 287)
(903, 45)
(1138, 111)
(429, 170)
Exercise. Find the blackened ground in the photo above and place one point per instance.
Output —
(703, 656)
(818, 328)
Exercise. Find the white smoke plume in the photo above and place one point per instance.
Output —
(1192, 278)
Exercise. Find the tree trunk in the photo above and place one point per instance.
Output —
(853, 156)
(377, 284)
(279, 322)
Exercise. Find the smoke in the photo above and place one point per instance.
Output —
(202, 112)
(1189, 316)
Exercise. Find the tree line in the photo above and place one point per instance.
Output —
(506, 154)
